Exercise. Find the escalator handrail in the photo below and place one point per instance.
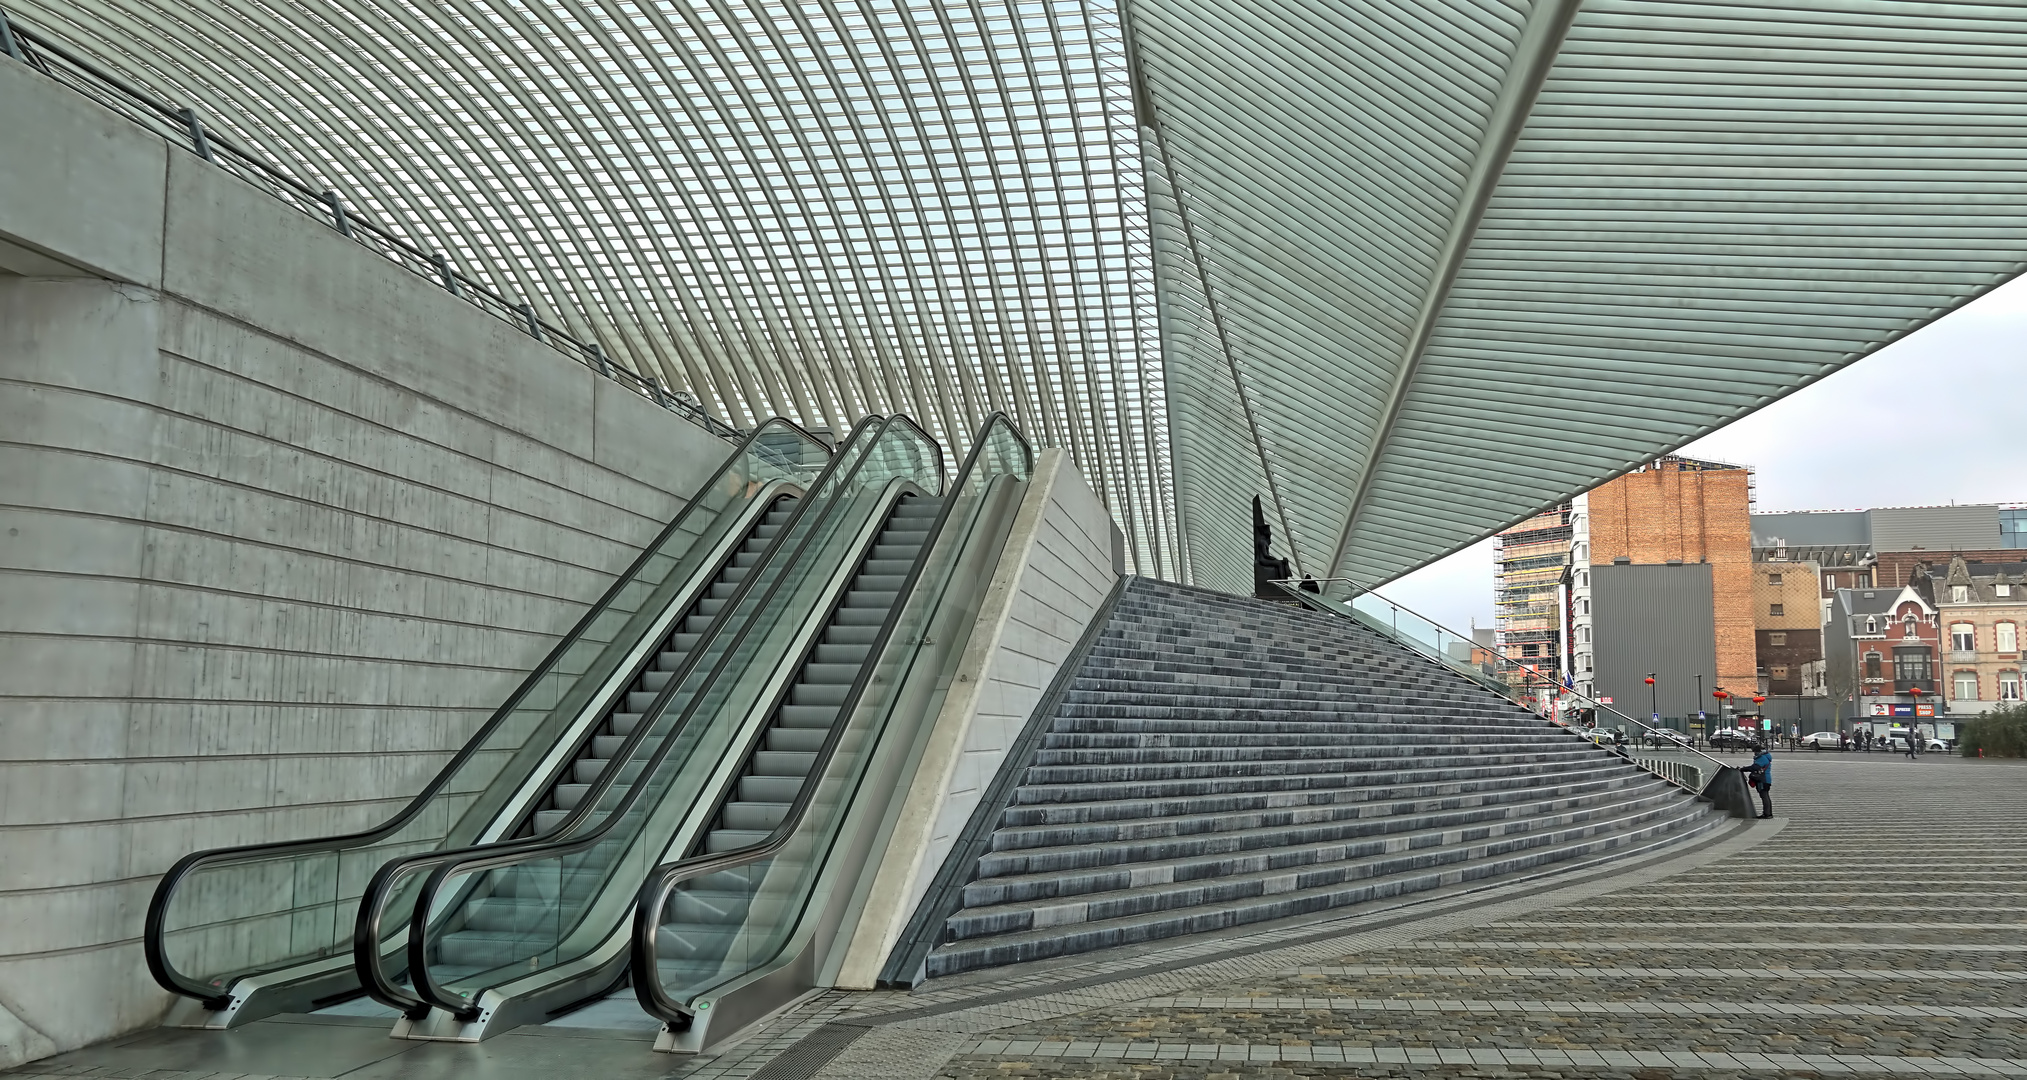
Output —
(165, 889)
(663, 879)
(366, 935)
(480, 858)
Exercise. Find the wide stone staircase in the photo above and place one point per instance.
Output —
(1219, 761)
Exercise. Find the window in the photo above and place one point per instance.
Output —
(1777, 637)
(2013, 528)
(1583, 607)
(1963, 637)
(1584, 634)
(2009, 637)
(1530, 650)
(1778, 609)
(1960, 594)
(2009, 686)
(1967, 686)
(1911, 665)
(1779, 671)
(1872, 665)
(1583, 579)
(2002, 589)
(1871, 625)
(1773, 579)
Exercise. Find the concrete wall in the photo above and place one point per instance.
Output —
(280, 524)
(1062, 557)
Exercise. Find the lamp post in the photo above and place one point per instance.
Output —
(1760, 700)
(1721, 696)
(1653, 698)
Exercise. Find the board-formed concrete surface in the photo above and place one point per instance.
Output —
(280, 524)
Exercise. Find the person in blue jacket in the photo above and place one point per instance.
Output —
(1760, 774)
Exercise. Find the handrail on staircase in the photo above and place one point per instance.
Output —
(1500, 679)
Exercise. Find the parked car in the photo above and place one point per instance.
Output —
(1666, 737)
(1732, 739)
(1821, 740)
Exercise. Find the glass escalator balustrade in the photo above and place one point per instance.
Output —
(285, 910)
(736, 903)
(500, 912)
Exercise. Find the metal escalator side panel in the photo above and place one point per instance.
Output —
(252, 913)
(615, 845)
(789, 892)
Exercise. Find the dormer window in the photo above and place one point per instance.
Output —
(2002, 589)
(1960, 594)
(1871, 625)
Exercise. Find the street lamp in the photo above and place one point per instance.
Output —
(1721, 697)
(1653, 698)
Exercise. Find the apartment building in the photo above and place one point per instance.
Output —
(1982, 611)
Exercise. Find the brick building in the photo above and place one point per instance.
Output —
(1675, 512)
(1788, 628)
(1982, 608)
(1881, 650)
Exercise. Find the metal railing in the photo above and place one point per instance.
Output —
(1526, 685)
(183, 126)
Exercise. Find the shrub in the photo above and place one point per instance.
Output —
(1999, 733)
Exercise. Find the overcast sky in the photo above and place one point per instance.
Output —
(1938, 417)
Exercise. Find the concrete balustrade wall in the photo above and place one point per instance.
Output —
(280, 525)
(1062, 558)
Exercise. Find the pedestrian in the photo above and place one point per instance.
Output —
(1760, 774)
(1910, 743)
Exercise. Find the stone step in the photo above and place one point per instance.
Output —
(1217, 761)
(1063, 939)
(1129, 884)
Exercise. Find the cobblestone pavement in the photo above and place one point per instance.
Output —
(1880, 931)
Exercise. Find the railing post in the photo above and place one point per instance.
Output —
(449, 277)
(8, 44)
(197, 140)
(598, 354)
(534, 324)
(338, 219)
(655, 388)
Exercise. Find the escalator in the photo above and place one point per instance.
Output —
(244, 932)
(609, 739)
(777, 701)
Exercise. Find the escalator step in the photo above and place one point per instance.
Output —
(808, 716)
(879, 583)
(754, 816)
(782, 763)
(894, 568)
(710, 606)
(872, 617)
(850, 635)
(637, 701)
(862, 600)
(854, 655)
(802, 740)
(567, 796)
(732, 839)
(546, 820)
(624, 722)
(769, 789)
(733, 574)
(605, 747)
(830, 674)
(832, 694)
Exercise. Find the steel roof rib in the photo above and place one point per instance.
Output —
(1408, 271)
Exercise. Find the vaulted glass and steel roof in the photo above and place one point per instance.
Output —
(1407, 270)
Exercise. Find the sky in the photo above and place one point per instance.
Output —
(1955, 392)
